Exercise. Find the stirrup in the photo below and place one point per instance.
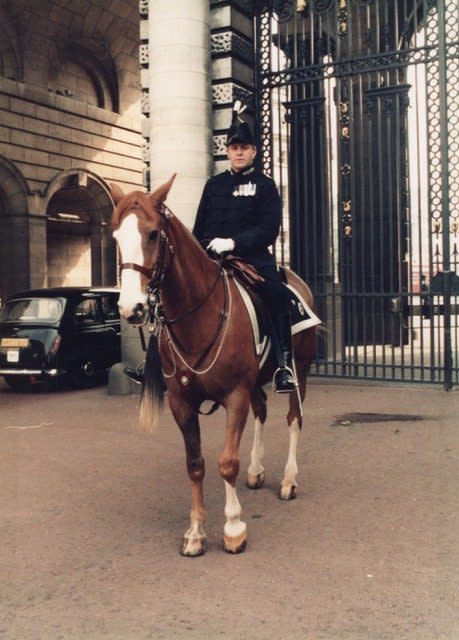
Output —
(136, 375)
(292, 380)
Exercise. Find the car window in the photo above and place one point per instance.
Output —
(87, 312)
(32, 310)
(110, 307)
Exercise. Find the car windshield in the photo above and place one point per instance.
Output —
(32, 310)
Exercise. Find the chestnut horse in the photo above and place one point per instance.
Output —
(206, 352)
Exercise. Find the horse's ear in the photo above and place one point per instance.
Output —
(157, 197)
(116, 192)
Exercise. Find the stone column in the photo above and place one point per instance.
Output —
(37, 241)
(177, 69)
(177, 102)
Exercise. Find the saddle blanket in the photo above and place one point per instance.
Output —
(303, 317)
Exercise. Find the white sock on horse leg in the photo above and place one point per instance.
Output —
(291, 468)
(233, 526)
(258, 451)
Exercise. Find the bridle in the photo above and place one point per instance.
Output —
(156, 276)
(156, 313)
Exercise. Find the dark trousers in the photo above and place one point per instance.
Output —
(273, 292)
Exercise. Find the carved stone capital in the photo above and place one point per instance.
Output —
(230, 43)
(226, 93)
(220, 144)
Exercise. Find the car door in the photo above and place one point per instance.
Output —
(92, 332)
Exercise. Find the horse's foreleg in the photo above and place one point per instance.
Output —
(256, 470)
(289, 484)
(194, 540)
(235, 530)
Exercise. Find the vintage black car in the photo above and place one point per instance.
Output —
(70, 333)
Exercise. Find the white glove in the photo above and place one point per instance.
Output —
(221, 245)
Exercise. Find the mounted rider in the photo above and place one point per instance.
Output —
(240, 213)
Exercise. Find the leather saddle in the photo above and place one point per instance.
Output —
(244, 272)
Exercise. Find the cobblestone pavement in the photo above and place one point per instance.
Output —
(92, 513)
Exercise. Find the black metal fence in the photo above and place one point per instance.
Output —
(358, 123)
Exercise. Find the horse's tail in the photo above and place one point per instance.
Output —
(153, 389)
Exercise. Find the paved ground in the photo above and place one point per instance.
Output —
(92, 513)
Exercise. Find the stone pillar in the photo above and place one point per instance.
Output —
(177, 104)
(96, 251)
(14, 256)
(36, 250)
(232, 49)
(176, 86)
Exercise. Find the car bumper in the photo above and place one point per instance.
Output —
(48, 373)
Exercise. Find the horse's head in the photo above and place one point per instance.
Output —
(137, 224)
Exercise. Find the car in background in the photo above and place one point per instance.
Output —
(70, 333)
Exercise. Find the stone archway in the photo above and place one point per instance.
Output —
(14, 232)
(80, 250)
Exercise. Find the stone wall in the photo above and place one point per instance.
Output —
(43, 134)
(69, 119)
(69, 260)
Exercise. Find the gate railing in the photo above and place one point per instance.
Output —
(358, 124)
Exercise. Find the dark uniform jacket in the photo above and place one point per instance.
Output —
(245, 207)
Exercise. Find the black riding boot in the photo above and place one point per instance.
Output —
(135, 374)
(284, 378)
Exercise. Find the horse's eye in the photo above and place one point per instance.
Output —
(153, 234)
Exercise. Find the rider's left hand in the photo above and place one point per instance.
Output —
(221, 245)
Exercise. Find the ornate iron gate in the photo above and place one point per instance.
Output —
(358, 124)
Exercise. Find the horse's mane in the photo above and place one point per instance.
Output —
(134, 201)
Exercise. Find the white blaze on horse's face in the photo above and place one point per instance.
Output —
(132, 298)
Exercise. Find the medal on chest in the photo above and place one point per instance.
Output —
(248, 189)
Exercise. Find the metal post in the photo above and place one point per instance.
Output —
(448, 353)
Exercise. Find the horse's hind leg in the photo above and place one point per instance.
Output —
(256, 470)
(235, 530)
(194, 540)
(289, 484)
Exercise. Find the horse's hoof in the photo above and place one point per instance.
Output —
(255, 481)
(193, 548)
(288, 492)
(235, 545)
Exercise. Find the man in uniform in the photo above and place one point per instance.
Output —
(240, 213)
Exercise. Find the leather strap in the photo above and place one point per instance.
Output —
(137, 267)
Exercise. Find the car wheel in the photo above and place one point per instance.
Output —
(85, 374)
(18, 383)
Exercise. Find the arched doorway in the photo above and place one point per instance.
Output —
(14, 236)
(80, 250)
